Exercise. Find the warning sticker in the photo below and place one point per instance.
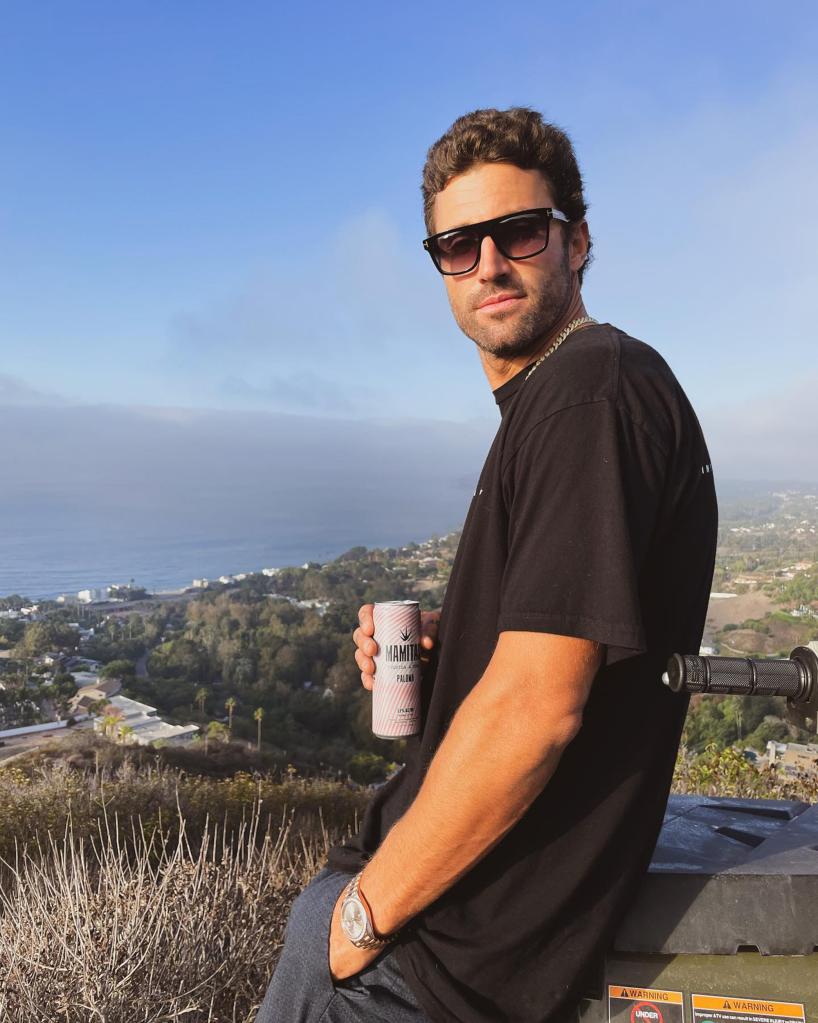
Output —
(627, 1004)
(726, 1009)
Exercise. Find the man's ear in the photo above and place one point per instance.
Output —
(578, 244)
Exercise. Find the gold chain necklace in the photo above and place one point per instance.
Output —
(563, 334)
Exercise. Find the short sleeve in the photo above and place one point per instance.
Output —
(583, 493)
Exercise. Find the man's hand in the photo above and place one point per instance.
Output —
(366, 647)
(345, 960)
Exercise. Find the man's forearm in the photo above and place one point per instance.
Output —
(502, 746)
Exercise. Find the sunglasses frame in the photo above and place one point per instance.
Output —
(487, 227)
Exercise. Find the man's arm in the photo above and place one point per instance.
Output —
(503, 745)
(500, 750)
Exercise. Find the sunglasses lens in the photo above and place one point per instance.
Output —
(457, 252)
(522, 236)
(517, 237)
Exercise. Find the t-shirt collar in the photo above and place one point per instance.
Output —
(505, 392)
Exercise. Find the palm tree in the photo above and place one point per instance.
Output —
(95, 709)
(110, 719)
(230, 706)
(258, 714)
(201, 697)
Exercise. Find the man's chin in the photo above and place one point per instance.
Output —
(506, 348)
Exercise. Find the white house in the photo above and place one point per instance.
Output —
(145, 726)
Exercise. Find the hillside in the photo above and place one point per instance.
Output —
(153, 893)
(269, 657)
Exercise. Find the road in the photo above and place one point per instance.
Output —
(16, 745)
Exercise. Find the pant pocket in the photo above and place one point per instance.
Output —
(336, 883)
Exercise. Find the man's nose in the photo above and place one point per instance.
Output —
(492, 263)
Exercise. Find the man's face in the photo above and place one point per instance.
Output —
(507, 306)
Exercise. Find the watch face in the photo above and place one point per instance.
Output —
(353, 920)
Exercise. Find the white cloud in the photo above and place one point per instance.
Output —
(345, 296)
(302, 390)
(16, 391)
(772, 438)
(355, 316)
(170, 473)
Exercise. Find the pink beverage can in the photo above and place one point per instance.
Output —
(396, 695)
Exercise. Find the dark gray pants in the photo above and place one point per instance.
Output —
(302, 989)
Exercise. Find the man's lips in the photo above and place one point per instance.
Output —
(505, 298)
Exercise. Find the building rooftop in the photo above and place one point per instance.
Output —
(131, 708)
(152, 729)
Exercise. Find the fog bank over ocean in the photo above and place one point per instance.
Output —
(93, 495)
(98, 494)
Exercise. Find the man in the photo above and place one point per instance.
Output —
(501, 859)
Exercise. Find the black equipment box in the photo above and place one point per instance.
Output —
(725, 926)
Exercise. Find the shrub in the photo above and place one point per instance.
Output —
(99, 778)
(726, 772)
(367, 768)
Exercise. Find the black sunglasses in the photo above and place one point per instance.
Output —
(517, 236)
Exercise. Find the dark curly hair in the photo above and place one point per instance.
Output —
(518, 135)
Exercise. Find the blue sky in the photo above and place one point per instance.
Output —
(216, 206)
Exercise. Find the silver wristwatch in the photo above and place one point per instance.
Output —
(356, 921)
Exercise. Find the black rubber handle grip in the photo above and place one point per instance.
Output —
(746, 676)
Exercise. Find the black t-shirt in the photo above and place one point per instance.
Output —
(594, 516)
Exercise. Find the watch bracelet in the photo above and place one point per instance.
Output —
(352, 889)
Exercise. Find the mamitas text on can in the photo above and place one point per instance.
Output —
(396, 696)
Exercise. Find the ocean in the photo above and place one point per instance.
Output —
(41, 559)
(93, 496)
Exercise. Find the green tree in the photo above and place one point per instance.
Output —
(217, 731)
(120, 669)
(771, 729)
(179, 658)
(111, 719)
(367, 768)
(258, 714)
(230, 706)
(125, 731)
(43, 636)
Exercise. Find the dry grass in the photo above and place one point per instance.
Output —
(144, 895)
(141, 894)
(50, 798)
(130, 928)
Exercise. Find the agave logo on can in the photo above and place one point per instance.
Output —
(396, 696)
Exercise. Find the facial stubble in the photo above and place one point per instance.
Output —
(526, 333)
